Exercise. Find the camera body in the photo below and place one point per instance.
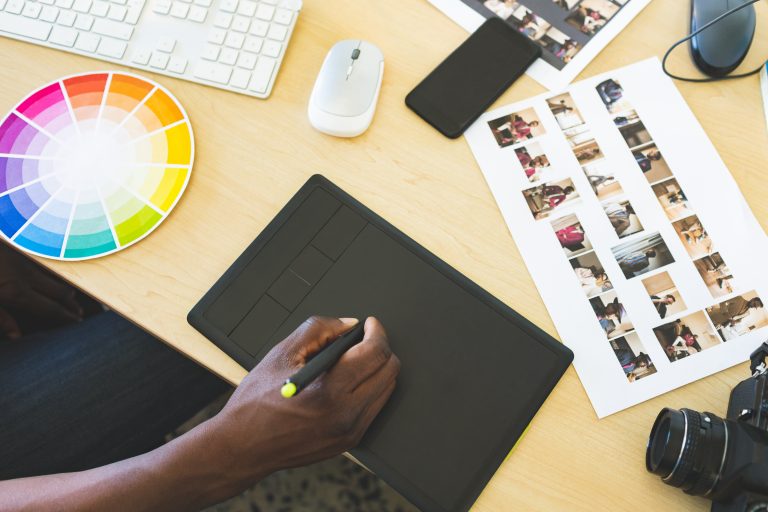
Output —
(725, 460)
(743, 483)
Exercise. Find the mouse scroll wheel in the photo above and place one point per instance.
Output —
(355, 53)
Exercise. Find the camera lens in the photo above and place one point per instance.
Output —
(687, 449)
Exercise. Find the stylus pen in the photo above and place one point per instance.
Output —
(322, 362)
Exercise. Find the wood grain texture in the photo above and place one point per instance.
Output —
(252, 155)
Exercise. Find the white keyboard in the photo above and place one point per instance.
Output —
(236, 45)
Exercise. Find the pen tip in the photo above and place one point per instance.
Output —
(288, 390)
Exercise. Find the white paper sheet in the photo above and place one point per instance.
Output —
(642, 146)
(552, 25)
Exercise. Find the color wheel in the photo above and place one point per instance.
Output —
(91, 164)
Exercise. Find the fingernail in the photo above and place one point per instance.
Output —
(349, 321)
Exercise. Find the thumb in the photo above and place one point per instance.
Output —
(9, 329)
(313, 335)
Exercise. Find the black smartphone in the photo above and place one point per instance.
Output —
(470, 79)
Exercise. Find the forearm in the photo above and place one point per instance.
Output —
(189, 473)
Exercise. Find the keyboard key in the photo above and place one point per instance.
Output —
(166, 44)
(159, 60)
(63, 36)
(84, 22)
(247, 8)
(265, 12)
(112, 48)
(253, 44)
(213, 72)
(142, 56)
(240, 78)
(31, 10)
(217, 36)
(66, 18)
(99, 8)
(46, 2)
(293, 5)
(197, 14)
(203, 3)
(277, 32)
(133, 14)
(283, 16)
(270, 2)
(228, 5)
(228, 56)
(87, 42)
(262, 74)
(259, 28)
(121, 2)
(112, 28)
(179, 9)
(246, 60)
(117, 12)
(64, 4)
(49, 14)
(162, 6)
(272, 49)
(15, 6)
(2, 4)
(34, 29)
(211, 52)
(241, 24)
(82, 5)
(234, 40)
(222, 20)
(177, 64)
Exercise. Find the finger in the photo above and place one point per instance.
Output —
(375, 384)
(365, 358)
(9, 329)
(313, 335)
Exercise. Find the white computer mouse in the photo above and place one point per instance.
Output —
(347, 88)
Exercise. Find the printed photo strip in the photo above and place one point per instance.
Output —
(686, 336)
(590, 274)
(738, 316)
(533, 160)
(603, 182)
(571, 236)
(642, 255)
(611, 314)
(672, 199)
(664, 295)
(545, 199)
(517, 127)
(632, 357)
(715, 274)
(622, 217)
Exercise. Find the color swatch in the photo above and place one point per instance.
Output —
(90, 164)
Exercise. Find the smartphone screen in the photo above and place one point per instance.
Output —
(466, 83)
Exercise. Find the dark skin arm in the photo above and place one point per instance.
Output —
(258, 432)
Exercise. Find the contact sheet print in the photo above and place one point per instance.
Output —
(639, 241)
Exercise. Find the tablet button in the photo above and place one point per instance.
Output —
(289, 289)
(311, 265)
(260, 322)
(343, 227)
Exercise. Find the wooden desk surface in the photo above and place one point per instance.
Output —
(252, 155)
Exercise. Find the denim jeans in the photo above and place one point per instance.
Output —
(91, 394)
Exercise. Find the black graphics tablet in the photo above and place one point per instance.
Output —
(474, 372)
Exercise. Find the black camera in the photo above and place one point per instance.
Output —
(725, 460)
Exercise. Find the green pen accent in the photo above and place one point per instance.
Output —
(288, 390)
